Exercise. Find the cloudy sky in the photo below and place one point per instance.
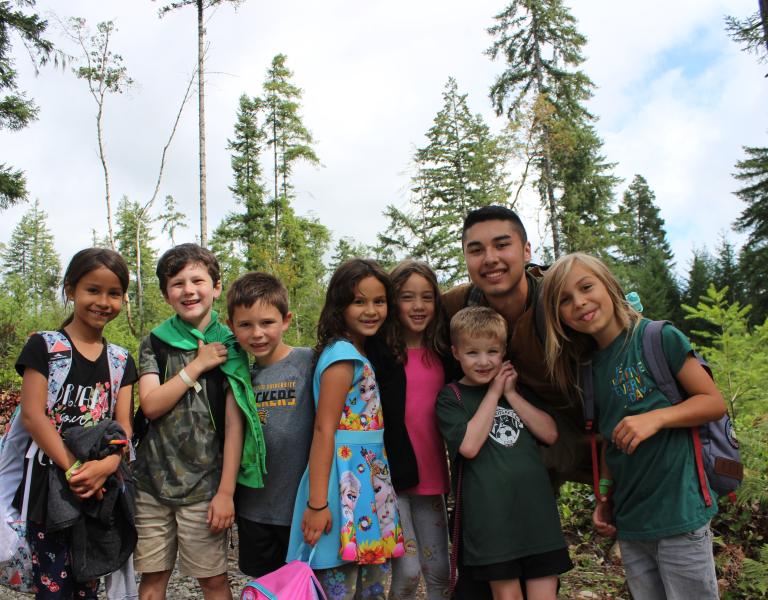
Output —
(675, 97)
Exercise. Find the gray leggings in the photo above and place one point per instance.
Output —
(425, 529)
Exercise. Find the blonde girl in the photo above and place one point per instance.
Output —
(652, 500)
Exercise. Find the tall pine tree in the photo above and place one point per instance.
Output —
(541, 46)
(644, 257)
(463, 166)
(753, 260)
(31, 267)
(288, 138)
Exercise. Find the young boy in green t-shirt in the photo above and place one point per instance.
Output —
(510, 527)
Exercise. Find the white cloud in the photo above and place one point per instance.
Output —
(676, 101)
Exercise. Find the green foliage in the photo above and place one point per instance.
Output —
(103, 69)
(31, 267)
(643, 257)
(754, 220)
(736, 354)
(133, 240)
(172, 219)
(543, 87)
(461, 168)
(750, 33)
(16, 111)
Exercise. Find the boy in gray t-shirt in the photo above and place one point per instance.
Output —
(257, 305)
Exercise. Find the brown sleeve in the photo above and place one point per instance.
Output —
(455, 299)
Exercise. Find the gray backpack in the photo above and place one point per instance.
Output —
(715, 445)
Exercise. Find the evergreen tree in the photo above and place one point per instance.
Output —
(251, 227)
(753, 259)
(539, 41)
(700, 277)
(172, 219)
(347, 248)
(16, 110)
(726, 271)
(644, 257)
(287, 136)
(201, 6)
(31, 266)
(133, 239)
(462, 167)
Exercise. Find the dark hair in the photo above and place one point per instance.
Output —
(257, 287)
(178, 257)
(89, 260)
(341, 293)
(494, 213)
(435, 334)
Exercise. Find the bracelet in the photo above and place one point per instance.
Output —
(75, 465)
(189, 381)
(310, 507)
(605, 486)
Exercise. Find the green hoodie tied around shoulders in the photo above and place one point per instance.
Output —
(177, 333)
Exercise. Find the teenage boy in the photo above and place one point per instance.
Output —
(497, 253)
(510, 531)
(257, 305)
(187, 463)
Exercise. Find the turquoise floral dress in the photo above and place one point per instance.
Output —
(366, 525)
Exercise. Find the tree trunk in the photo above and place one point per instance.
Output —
(201, 122)
(764, 17)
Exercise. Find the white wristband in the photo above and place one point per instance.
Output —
(189, 382)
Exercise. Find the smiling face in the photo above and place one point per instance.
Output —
(259, 330)
(586, 306)
(415, 308)
(98, 298)
(496, 257)
(367, 311)
(191, 293)
(480, 357)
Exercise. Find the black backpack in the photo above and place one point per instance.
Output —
(715, 445)
(213, 380)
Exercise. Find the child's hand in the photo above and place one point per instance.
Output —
(221, 513)
(632, 430)
(511, 381)
(210, 355)
(315, 523)
(602, 517)
(88, 480)
(498, 385)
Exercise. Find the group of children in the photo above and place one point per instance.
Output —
(294, 449)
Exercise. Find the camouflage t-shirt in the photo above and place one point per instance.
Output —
(179, 459)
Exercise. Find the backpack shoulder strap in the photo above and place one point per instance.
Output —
(457, 509)
(586, 382)
(160, 350)
(59, 363)
(656, 360)
(117, 357)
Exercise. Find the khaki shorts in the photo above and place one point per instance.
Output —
(163, 529)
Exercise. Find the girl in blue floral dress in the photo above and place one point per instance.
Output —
(346, 505)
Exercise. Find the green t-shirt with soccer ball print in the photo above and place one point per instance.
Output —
(509, 508)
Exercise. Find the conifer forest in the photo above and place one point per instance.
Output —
(238, 145)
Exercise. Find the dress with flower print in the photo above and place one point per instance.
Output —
(366, 526)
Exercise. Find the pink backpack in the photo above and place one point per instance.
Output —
(294, 581)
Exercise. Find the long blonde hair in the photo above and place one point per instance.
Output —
(566, 349)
